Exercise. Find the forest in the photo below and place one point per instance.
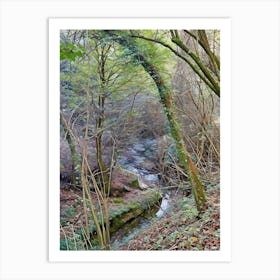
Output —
(140, 140)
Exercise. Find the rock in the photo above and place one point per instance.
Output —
(139, 160)
(132, 169)
(139, 147)
(148, 165)
(143, 186)
(134, 182)
(124, 180)
(133, 209)
(126, 211)
(126, 189)
(151, 144)
(151, 178)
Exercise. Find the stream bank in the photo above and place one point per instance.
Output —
(180, 229)
(137, 197)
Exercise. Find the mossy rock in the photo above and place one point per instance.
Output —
(147, 199)
(125, 177)
(134, 183)
(126, 212)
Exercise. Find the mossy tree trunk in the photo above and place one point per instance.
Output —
(165, 93)
(181, 150)
(202, 39)
(209, 74)
(212, 77)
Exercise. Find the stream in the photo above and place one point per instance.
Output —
(131, 229)
(139, 159)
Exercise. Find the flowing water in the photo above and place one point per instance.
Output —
(131, 229)
(138, 159)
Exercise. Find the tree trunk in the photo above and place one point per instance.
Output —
(105, 178)
(166, 99)
(205, 70)
(75, 159)
(105, 181)
(183, 155)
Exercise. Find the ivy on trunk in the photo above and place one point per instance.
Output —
(166, 99)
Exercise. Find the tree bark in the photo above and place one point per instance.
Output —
(206, 71)
(105, 178)
(182, 152)
(166, 99)
(194, 61)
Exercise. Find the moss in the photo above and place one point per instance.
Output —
(118, 200)
(128, 177)
(134, 204)
(134, 209)
(134, 183)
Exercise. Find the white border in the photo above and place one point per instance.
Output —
(224, 255)
(255, 127)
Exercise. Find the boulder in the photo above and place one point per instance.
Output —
(126, 212)
(123, 180)
(134, 198)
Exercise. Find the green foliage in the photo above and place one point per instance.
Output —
(63, 244)
(213, 186)
(217, 233)
(217, 186)
(157, 55)
(185, 203)
(71, 52)
(173, 236)
(134, 204)
(146, 239)
(124, 76)
(69, 212)
(73, 242)
(118, 200)
(191, 213)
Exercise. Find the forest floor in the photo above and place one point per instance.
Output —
(181, 228)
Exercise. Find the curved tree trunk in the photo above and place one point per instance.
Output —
(166, 99)
(181, 150)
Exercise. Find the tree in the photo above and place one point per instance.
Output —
(166, 98)
(70, 52)
(75, 158)
(101, 56)
(103, 68)
(205, 65)
(208, 72)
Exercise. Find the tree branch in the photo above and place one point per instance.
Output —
(194, 68)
